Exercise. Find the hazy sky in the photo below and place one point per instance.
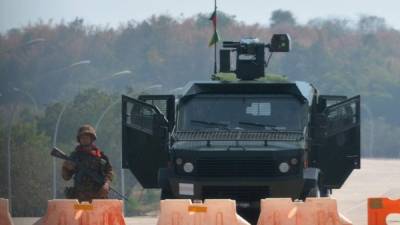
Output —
(16, 13)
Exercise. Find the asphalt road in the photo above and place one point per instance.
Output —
(377, 178)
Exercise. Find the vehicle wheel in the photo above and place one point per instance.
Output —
(311, 190)
(250, 215)
(166, 193)
(314, 192)
(324, 192)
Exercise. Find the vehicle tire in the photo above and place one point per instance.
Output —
(324, 192)
(311, 190)
(314, 192)
(250, 215)
(166, 193)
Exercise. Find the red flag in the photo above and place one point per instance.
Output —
(213, 18)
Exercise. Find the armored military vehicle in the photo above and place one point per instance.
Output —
(246, 139)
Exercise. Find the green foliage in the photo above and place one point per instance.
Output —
(280, 17)
(3, 157)
(143, 201)
(31, 170)
(224, 19)
(133, 206)
(371, 24)
(330, 53)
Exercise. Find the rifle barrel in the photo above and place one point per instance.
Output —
(61, 155)
(120, 195)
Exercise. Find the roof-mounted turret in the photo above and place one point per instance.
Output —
(250, 55)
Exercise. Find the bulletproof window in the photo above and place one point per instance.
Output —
(342, 116)
(140, 116)
(161, 104)
(221, 112)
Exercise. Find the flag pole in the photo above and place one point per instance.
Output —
(215, 30)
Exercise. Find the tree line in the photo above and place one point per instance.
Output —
(75, 73)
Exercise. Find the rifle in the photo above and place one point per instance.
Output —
(56, 152)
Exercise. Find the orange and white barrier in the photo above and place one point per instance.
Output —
(211, 212)
(382, 211)
(5, 217)
(282, 211)
(71, 212)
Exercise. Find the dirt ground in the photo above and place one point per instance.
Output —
(376, 178)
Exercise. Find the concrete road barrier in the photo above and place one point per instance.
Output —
(71, 212)
(282, 211)
(5, 217)
(211, 212)
(382, 211)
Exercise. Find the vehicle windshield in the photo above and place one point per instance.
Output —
(243, 112)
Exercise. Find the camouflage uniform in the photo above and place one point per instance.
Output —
(89, 159)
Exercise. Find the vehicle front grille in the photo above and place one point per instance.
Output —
(237, 193)
(237, 136)
(257, 167)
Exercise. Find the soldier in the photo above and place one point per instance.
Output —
(91, 168)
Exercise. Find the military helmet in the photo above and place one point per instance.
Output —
(86, 129)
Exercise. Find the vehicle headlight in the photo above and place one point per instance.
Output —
(188, 167)
(284, 167)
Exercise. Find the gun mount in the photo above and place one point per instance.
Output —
(250, 55)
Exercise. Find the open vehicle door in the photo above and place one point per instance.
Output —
(340, 152)
(145, 140)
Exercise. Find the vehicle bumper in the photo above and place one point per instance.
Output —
(242, 190)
